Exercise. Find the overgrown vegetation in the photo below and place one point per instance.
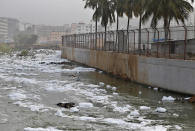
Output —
(5, 48)
(25, 40)
(23, 53)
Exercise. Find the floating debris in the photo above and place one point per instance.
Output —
(66, 105)
(192, 99)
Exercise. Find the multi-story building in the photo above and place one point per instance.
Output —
(45, 30)
(80, 28)
(11, 26)
(49, 33)
(3, 30)
(56, 37)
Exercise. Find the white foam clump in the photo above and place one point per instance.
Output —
(85, 118)
(161, 110)
(109, 87)
(101, 84)
(100, 72)
(121, 109)
(175, 115)
(93, 86)
(57, 88)
(100, 99)
(21, 80)
(32, 107)
(178, 127)
(114, 88)
(156, 89)
(41, 129)
(187, 98)
(169, 98)
(143, 108)
(74, 109)
(115, 93)
(80, 69)
(135, 113)
(114, 121)
(85, 105)
(133, 126)
(17, 96)
(154, 128)
(59, 113)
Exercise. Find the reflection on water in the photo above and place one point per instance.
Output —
(31, 87)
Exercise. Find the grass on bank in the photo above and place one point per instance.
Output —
(5, 48)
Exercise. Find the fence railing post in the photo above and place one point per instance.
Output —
(185, 41)
(148, 41)
(157, 46)
(134, 42)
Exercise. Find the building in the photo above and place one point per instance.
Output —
(3, 30)
(45, 30)
(56, 37)
(48, 33)
(81, 28)
(12, 28)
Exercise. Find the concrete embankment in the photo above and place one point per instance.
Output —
(170, 74)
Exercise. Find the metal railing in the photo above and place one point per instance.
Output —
(177, 44)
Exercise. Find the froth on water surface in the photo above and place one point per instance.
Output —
(30, 88)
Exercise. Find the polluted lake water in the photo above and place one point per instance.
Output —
(31, 86)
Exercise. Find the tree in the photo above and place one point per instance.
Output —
(94, 5)
(128, 11)
(119, 8)
(167, 10)
(139, 10)
(105, 12)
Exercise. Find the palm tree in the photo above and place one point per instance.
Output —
(139, 10)
(105, 12)
(119, 7)
(128, 11)
(167, 10)
(94, 5)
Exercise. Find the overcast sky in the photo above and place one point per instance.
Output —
(51, 12)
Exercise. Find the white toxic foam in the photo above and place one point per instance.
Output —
(178, 127)
(121, 109)
(74, 109)
(161, 110)
(109, 87)
(80, 69)
(144, 108)
(21, 80)
(33, 107)
(135, 113)
(85, 105)
(85, 118)
(41, 129)
(93, 86)
(114, 88)
(17, 96)
(169, 98)
(101, 84)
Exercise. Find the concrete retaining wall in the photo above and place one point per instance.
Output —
(174, 75)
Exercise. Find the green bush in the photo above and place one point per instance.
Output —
(23, 53)
(4, 48)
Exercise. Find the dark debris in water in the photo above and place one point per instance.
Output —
(66, 105)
